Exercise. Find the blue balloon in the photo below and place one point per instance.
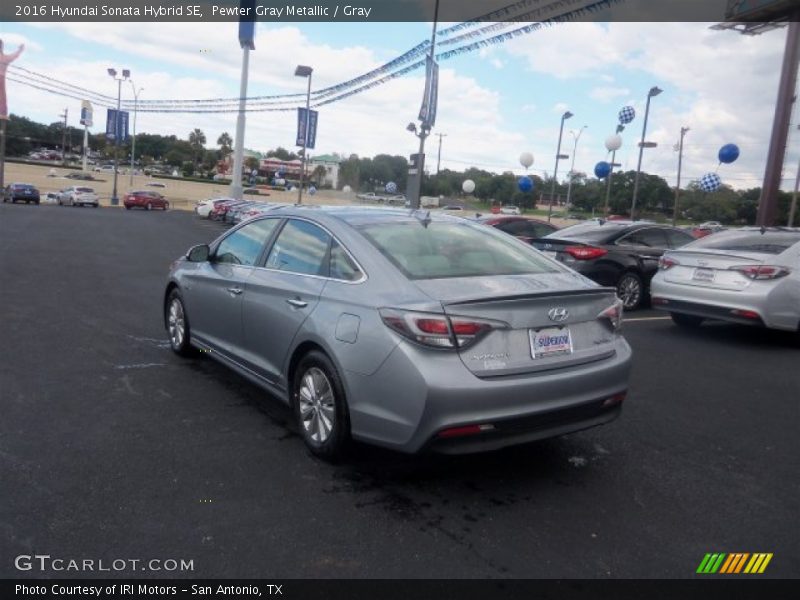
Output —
(312, 190)
(602, 169)
(391, 187)
(525, 183)
(728, 153)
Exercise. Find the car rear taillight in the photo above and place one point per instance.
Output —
(762, 271)
(665, 263)
(585, 252)
(437, 330)
(613, 315)
(453, 432)
(746, 314)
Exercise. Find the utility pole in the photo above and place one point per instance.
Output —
(794, 198)
(678, 185)
(64, 139)
(439, 159)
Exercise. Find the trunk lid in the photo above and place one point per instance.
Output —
(552, 320)
(712, 268)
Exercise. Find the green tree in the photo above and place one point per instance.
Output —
(197, 140)
(225, 143)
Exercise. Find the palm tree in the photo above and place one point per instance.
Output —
(197, 140)
(225, 142)
(319, 174)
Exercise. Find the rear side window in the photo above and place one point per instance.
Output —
(243, 246)
(301, 247)
(341, 265)
(651, 238)
(443, 250)
(587, 232)
(750, 241)
(678, 238)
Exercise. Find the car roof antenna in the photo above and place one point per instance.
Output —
(424, 218)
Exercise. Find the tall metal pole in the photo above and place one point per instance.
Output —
(555, 170)
(133, 141)
(608, 182)
(305, 141)
(114, 198)
(654, 91)
(423, 133)
(3, 123)
(64, 139)
(794, 197)
(439, 159)
(768, 203)
(572, 166)
(85, 146)
(678, 184)
(238, 147)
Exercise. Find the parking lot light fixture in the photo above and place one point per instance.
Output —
(559, 156)
(126, 73)
(654, 91)
(304, 71)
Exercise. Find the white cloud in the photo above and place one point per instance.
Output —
(606, 93)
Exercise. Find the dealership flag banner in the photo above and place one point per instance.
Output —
(117, 125)
(427, 113)
(310, 137)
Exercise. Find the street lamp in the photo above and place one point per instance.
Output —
(133, 142)
(125, 75)
(654, 91)
(572, 166)
(303, 71)
(559, 156)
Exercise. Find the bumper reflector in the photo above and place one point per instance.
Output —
(465, 430)
(615, 399)
(747, 314)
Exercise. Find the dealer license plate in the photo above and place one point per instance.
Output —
(551, 341)
(706, 275)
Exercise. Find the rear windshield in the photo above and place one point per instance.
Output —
(769, 242)
(443, 250)
(85, 190)
(591, 232)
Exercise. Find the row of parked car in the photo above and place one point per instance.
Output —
(80, 195)
(231, 210)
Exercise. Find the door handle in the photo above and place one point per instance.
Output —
(297, 303)
(235, 291)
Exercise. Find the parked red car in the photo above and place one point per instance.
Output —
(520, 227)
(145, 199)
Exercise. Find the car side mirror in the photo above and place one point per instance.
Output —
(198, 253)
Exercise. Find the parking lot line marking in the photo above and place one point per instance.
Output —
(648, 319)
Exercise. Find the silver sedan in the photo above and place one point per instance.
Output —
(402, 328)
(749, 275)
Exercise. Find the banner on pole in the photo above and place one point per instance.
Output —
(117, 125)
(427, 113)
(310, 137)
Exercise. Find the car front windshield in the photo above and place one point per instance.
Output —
(443, 249)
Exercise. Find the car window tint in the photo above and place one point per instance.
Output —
(301, 247)
(515, 228)
(341, 265)
(678, 238)
(541, 230)
(441, 250)
(769, 242)
(243, 246)
(652, 238)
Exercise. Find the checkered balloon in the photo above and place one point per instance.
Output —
(710, 182)
(312, 190)
(391, 187)
(626, 115)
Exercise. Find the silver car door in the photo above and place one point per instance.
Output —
(215, 289)
(281, 296)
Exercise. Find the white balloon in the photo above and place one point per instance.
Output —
(613, 142)
(526, 159)
(347, 189)
(468, 186)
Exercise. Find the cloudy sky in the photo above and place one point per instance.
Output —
(493, 104)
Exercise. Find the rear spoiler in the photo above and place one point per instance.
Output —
(560, 294)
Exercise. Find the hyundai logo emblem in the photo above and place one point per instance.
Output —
(559, 315)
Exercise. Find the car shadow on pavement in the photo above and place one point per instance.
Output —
(731, 333)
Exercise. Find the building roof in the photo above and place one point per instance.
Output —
(329, 158)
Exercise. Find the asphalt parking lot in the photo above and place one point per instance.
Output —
(112, 447)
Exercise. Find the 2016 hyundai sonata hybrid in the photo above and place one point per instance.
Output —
(401, 328)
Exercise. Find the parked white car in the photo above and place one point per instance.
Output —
(78, 195)
(510, 209)
(204, 207)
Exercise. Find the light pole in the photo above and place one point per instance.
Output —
(654, 91)
(678, 183)
(572, 166)
(303, 71)
(439, 159)
(559, 156)
(246, 42)
(133, 140)
(125, 75)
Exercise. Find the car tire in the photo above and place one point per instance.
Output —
(149, 206)
(630, 289)
(127, 207)
(690, 321)
(320, 407)
(166, 206)
(177, 324)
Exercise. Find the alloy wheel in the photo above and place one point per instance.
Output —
(317, 405)
(176, 323)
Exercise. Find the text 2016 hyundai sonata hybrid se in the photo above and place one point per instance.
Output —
(404, 329)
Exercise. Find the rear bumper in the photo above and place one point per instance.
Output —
(417, 394)
(776, 307)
